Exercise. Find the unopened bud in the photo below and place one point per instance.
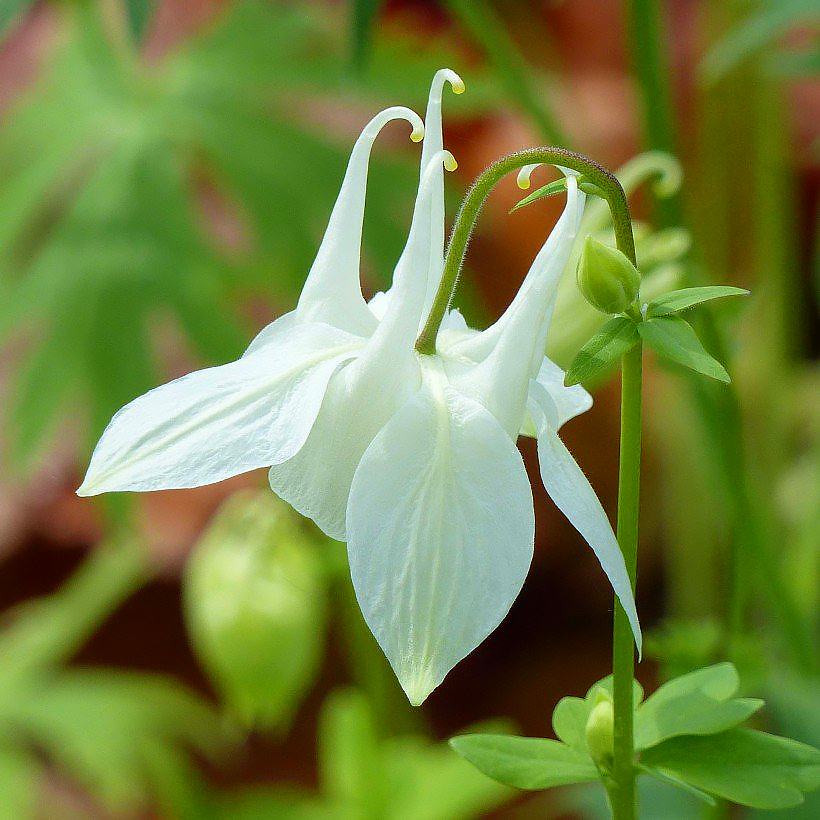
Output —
(607, 279)
(600, 731)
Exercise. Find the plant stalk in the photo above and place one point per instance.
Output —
(478, 193)
(622, 792)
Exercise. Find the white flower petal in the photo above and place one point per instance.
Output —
(569, 401)
(360, 400)
(440, 534)
(510, 351)
(332, 291)
(572, 493)
(222, 421)
(365, 394)
(272, 333)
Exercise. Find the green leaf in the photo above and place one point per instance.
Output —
(429, 782)
(525, 762)
(19, 774)
(614, 339)
(677, 300)
(553, 188)
(569, 720)
(699, 703)
(105, 729)
(139, 13)
(754, 32)
(677, 783)
(742, 765)
(350, 760)
(674, 338)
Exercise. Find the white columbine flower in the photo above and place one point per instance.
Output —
(411, 458)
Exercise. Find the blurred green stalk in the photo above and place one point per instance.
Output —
(490, 33)
(723, 166)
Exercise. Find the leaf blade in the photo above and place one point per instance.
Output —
(678, 300)
(742, 765)
(530, 763)
(615, 338)
(674, 339)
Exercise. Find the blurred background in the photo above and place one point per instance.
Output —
(166, 171)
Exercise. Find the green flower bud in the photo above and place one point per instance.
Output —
(606, 278)
(254, 596)
(600, 731)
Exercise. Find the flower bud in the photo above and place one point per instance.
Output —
(600, 731)
(606, 278)
(255, 607)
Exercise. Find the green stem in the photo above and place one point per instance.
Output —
(493, 36)
(646, 38)
(622, 794)
(474, 200)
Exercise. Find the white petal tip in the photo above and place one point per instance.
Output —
(87, 489)
(417, 688)
(524, 175)
(417, 134)
(450, 161)
(446, 75)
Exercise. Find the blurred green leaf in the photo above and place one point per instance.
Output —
(105, 728)
(118, 179)
(699, 703)
(363, 19)
(674, 339)
(123, 736)
(772, 19)
(19, 776)
(616, 337)
(742, 765)
(139, 14)
(11, 11)
(678, 300)
(525, 762)
(255, 602)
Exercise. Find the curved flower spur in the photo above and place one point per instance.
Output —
(410, 457)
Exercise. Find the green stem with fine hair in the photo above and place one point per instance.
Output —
(622, 791)
(474, 200)
(621, 786)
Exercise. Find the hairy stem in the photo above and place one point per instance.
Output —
(622, 793)
(475, 198)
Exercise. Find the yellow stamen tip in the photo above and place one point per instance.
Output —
(458, 87)
(417, 134)
(450, 162)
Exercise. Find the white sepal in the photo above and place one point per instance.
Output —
(440, 533)
(572, 493)
(222, 421)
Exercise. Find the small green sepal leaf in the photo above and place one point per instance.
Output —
(553, 188)
(742, 765)
(699, 703)
(677, 300)
(615, 338)
(526, 762)
(675, 339)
